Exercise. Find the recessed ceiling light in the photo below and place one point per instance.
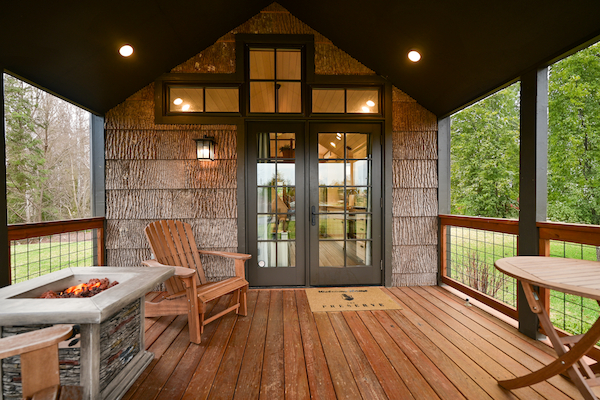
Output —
(185, 107)
(177, 101)
(414, 55)
(331, 143)
(370, 103)
(365, 109)
(126, 50)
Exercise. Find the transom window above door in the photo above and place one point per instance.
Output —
(275, 76)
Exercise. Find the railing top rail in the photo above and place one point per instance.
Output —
(500, 225)
(37, 229)
(576, 233)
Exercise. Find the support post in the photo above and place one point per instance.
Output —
(97, 181)
(4, 245)
(533, 192)
(444, 200)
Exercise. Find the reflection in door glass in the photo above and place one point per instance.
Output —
(345, 211)
(276, 200)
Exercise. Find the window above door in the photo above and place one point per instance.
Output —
(274, 78)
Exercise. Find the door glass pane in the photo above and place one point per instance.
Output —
(286, 254)
(358, 253)
(358, 172)
(262, 97)
(222, 100)
(357, 145)
(358, 199)
(186, 99)
(265, 199)
(345, 219)
(267, 254)
(289, 97)
(331, 253)
(265, 173)
(331, 199)
(358, 226)
(328, 100)
(289, 64)
(331, 226)
(331, 145)
(331, 173)
(266, 225)
(286, 174)
(363, 101)
(286, 145)
(262, 64)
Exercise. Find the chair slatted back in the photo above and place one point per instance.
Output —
(172, 243)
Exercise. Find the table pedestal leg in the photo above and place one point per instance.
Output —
(566, 359)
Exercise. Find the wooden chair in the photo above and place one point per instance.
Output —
(173, 244)
(39, 362)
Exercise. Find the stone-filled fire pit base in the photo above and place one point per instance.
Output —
(111, 353)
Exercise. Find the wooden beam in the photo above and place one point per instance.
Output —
(4, 244)
(533, 190)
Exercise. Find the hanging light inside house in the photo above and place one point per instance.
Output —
(205, 148)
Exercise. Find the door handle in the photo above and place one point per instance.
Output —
(313, 216)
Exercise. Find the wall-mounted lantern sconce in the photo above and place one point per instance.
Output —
(205, 148)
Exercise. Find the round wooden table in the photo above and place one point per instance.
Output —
(577, 277)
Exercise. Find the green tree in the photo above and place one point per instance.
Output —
(485, 156)
(574, 138)
(24, 153)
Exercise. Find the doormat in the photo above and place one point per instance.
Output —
(349, 299)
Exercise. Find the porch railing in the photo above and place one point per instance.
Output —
(469, 248)
(40, 248)
(471, 245)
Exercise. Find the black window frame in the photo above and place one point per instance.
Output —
(380, 87)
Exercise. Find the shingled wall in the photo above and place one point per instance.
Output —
(152, 172)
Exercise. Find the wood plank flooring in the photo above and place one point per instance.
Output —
(432, 348)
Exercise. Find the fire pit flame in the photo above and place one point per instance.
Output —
(93, 287)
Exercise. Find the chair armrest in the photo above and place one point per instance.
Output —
(30, 341)
(235, 256)
(180, 272)
(239, 258)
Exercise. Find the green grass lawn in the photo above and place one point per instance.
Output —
(473, 253)
(32, 260)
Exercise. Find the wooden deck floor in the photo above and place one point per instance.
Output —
(434, 347)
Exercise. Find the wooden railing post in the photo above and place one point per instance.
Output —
(100, 246)
(443, 250)
(545, 293)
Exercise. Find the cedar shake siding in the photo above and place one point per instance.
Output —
(152, 172)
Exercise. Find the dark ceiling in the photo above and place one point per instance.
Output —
(469, 47)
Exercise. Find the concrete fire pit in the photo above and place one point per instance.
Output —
(112, 353)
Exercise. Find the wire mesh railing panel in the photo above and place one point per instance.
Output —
(573, 314)
(37, 256)
(470, 260)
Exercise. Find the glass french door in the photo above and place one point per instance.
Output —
(345, 204)
(313, 204)
(276, 210)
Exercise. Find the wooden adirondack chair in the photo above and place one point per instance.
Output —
(173, 244)
(39, 362)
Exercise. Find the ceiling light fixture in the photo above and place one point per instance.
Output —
(365, 109)
(126, 50)
(177, 101)
(370, 103)
(331, 143)
(414, 55)
(185, 107)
